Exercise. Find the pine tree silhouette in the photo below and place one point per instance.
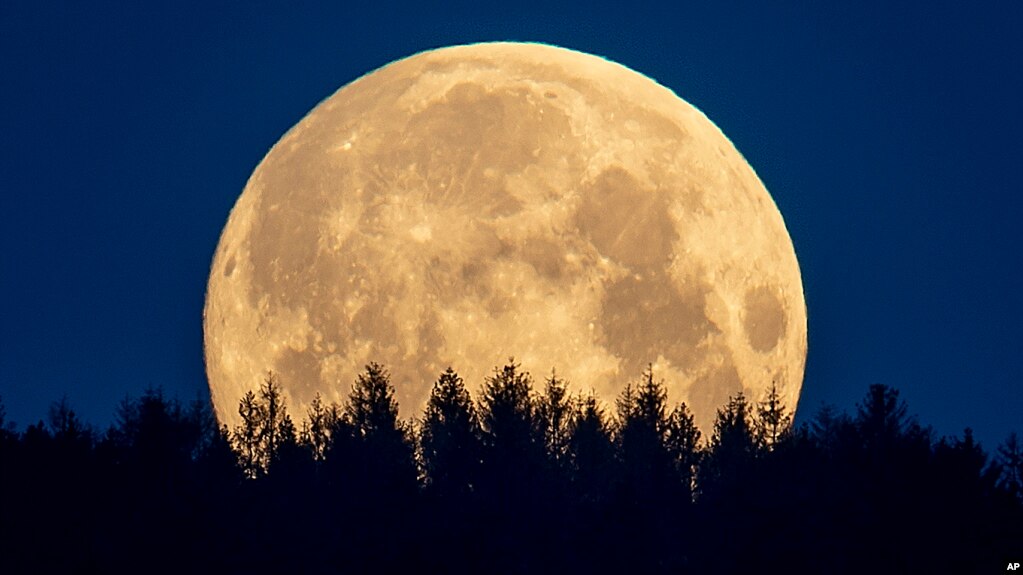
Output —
(734, 447)
(266, 432)
(683, 443)
(379, 473)
(773, 420)
(384, 443)
(881, 418)
(506, 409)
(316, 428)
(4, 427)
(68, 430)
(278, 431)
(247, 437)
(642, 440)
(554, 411)
(512, 451)
(1010, 458)
(511, 475)
(450, 438)
(591, 451)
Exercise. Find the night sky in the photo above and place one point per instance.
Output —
(889, 138)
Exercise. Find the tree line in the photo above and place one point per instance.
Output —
(522, 478)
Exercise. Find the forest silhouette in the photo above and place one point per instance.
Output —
(523, 478)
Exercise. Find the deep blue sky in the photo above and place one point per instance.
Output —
(888, 136)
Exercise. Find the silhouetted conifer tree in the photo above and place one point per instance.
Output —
(1010, 459)
(883, 466)
(339, 454)
(265, 430)
(641, 413)
(591, 452)
(278, 428)
(450, 437)
(371, 407)
(644, 406)
(650, 503)
(966, 463)
(511, 482)
(506, 410)
(881, 414)
(217, 461)
(3, 416)
(246, 436)
(683, 442)
(734, 429)
(512, 451)
(959, 476)
(9, 460)
(316, 428)
(153, 445)
(371, 473)
(8, 440)
(203, 420)
(211, 451)
(733, 448)
(154, 440)
(773, 419)
(331, 433)
(384, 442)
(58, 490)
(883, 424)
(67, 428)
(292, 460)
(554, 411)
(648, 470)
(830, 429)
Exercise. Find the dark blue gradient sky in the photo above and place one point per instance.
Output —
(888, 134)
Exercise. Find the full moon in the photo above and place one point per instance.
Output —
(469, 204)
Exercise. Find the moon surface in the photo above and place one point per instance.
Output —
(473, 203)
